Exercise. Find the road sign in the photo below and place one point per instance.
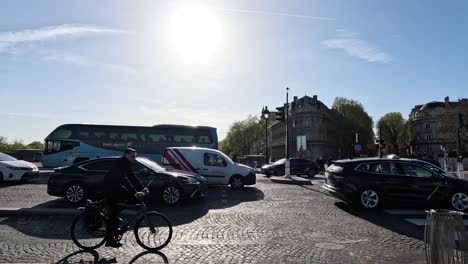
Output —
(357, 147)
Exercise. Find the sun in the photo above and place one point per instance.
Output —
(195, 33)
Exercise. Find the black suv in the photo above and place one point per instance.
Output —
(370, 182)
(298, 167)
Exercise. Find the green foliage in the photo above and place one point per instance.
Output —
(18, 144)
(394, 131)
(241, 136)
(35, 145)
(352, 119)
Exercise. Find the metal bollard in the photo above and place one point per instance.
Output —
(445, 237)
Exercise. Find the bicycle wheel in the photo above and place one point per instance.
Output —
(88, 230)
(153, 231)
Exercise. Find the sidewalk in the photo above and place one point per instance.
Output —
(293, 180)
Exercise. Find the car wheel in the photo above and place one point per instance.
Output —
(311, 173)
(369, 199)
(268, 174)
(459, 201)
(75, 193)
(1, 177)
(237, 182)
(171, 194)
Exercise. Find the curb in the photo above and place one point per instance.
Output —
(293, 180)
(38, 211)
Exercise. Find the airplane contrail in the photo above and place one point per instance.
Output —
(275, 13)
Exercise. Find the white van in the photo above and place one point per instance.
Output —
(212, 164)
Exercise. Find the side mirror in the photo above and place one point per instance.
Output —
(224, 163)
(436, 175)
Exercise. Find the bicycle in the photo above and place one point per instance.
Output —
(153, 231)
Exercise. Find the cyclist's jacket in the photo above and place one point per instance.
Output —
(120, 183)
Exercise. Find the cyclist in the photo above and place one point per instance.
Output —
(120, 185)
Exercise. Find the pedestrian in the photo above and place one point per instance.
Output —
(120, 185)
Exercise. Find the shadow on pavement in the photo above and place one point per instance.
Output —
(92, 257)
(57, 226)
(148, 257)
(393, 223)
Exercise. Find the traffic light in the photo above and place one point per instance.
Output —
(280, 113)
(458, 118)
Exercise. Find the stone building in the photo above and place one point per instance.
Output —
(311, 121)
(433, 126)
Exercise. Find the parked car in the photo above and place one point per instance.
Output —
(298, 166)
(12, 169)
(86, 179)
(370, 182)
(212, 164)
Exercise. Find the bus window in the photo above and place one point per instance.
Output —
(114, 135)
(67, 145)
(100, 135)
(129, 136)
(62, 133)
(157, 138)
(83, 135)
(204, 139)
(183, 139)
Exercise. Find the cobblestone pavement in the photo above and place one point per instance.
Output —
(266, 223)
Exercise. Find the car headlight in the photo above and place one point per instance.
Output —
(188, 180)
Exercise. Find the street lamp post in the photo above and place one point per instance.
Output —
(265, 115)
(287, 170)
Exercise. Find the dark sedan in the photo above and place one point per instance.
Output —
(370, 182)
(86, 180)
(298, 167)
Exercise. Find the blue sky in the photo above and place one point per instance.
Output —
(214, 62)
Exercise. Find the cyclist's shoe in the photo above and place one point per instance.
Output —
(113, 243)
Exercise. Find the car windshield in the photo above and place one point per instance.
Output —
(281, 161)
(151, 164)
(5, 157)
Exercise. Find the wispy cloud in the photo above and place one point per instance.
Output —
(260, 12)
(354, 46)
(12, 38)
(22, 42)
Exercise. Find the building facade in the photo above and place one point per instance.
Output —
(433, 127)
(311, 131)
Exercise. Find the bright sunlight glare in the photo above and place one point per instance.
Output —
(195, 33)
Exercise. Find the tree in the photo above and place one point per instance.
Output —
(35, 145)
(241, 136)
(352, 119)
(392, 126)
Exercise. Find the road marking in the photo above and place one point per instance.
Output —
(416, 221)
(421, 222)
(405, 212)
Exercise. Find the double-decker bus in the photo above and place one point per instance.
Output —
(72, 143)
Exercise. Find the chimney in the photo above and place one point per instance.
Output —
(447, 101)
(295, 98)
(315, 98)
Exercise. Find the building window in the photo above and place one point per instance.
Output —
(428, 126)
(428, 148)
(428, 136)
